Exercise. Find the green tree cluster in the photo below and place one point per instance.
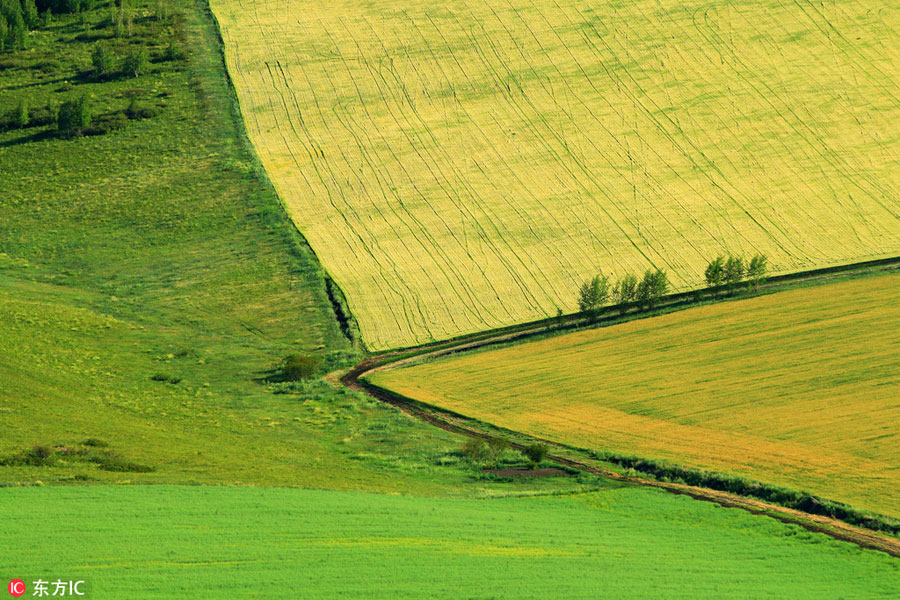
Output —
(728, 272)
(64, 6)
(592, 295)
(74, 117)
(13, 26)
(628, 291)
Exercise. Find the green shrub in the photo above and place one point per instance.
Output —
(164, 378)
(299, 366)
(136, 62)
(535, 453)
(475, 450)
(20, 118)
(102, 60)
(95, 443)
(74, 117)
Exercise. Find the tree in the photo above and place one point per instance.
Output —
(16, 30)
(74, 117)
(715, 273)
(626, 291)
(136, 62)
(756, 270)
(592, 295)
(734, 271)
(20, 115)
(652, 287)
(101, 60)
(4, 32)
(53, 112)
(30, 13)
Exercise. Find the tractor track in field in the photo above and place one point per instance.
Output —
(466, 426)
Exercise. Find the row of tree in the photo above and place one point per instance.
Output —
(728, 272)
(595, 293)
(722, 273)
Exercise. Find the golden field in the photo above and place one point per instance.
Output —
(463, 165)
(799, 388)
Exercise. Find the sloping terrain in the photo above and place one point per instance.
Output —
(463, 166)
(798, 388)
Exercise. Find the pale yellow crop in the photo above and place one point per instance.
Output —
(799, 388)
(462, 165)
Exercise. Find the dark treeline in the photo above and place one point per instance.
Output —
(627, 292)
(724, 273)
(18, 17)
(729, 272)
(117, 58)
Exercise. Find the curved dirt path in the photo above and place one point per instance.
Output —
(458, 423)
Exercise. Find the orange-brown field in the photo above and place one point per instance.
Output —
(800, 388)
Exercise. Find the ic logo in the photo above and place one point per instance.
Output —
(16, 588)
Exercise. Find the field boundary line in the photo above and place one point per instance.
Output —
(463, 425)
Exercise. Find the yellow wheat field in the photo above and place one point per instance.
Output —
(800, 388)
(462, 165)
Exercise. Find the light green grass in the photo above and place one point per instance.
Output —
(797, 388)
(177, 542)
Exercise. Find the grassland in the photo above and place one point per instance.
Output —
(158, 253)
(798, 388)
(464, 166)
(258, 543)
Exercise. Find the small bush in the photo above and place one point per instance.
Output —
(535, 453)
(162, 377)
(102, 61)
(299, 366)
(116, 464)
(19, 118)
(475, 450)
(136, 112)
(95, 443)
(173, 52)
(136, 62)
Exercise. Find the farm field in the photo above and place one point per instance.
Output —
(262, 543)
(463, 166)
(798, 388)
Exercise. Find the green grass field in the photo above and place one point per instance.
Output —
(177, 542)
(797, 388)
(464, 166)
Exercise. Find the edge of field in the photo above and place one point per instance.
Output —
(336, 296)
(582, 459)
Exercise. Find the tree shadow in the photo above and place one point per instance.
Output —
(27, 139)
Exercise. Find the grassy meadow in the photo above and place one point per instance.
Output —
(798, 388)
(463, 166)
(150, 282)
(182, 542)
